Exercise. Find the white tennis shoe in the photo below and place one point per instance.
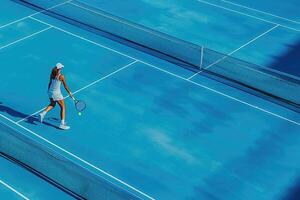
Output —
(41, 116)
(64, 127)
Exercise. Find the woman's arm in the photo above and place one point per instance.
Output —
(63, 80)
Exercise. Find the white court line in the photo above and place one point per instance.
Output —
(89, 85)
(24, 38)
(118, 52)
(225, 56)
(14, 190)
(82, 38)
(23, 119)
(254, 39)
(148, 65)
(225, 95)
(77, 157)
(18, 20)
(251, 16)
(93, 83)
(215, 91)
(256, 10)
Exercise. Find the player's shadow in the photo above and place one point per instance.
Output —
(34, 120)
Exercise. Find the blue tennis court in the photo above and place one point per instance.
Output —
(151, 129)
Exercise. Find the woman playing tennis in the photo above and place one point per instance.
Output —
(55, 95)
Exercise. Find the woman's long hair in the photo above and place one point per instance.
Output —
(54, 73)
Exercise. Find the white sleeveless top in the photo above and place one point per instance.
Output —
(54, 91)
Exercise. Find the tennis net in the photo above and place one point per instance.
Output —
(58, 169)
(277, 86)
(280, 87)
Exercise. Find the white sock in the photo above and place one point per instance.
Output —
(62, 121)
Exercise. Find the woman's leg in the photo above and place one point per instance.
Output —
(62, 125)
(49, 107)
(62, 106)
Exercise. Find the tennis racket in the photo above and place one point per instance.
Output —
(79, 105)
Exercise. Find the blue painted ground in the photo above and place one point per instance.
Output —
(7, 193)
(8, 7)
(146, 124)
(25, 183)
(287, 9)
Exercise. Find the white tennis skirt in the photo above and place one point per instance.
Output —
(56, 96)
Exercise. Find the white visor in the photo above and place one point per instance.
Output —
(59, 66)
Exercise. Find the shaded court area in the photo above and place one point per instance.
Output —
(18, 183)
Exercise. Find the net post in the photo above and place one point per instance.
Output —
(201, 57)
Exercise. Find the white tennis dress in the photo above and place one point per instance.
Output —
(54, 91)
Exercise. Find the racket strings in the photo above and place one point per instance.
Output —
(80, 106)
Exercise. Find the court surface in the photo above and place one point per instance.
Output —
(147, 124)
(29, 185)
(240, 28)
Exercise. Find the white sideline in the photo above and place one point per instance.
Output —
(251, 16)
(34, 14)
(14, 190)
(205, 3)
(256, 10)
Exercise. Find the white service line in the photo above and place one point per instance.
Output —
(113, 50)
(224, 57)
(105, 77)
(254, 39)
(89, 85)
(24, 38)
(256, 10)
(34, 14)
(251, 16)
(78, 158)
(14, 190)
